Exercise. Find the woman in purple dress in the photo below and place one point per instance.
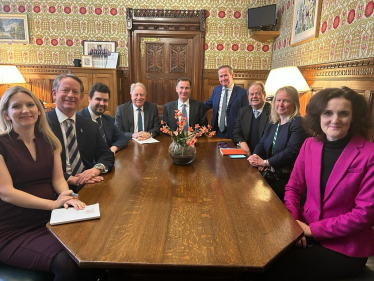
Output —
(31, 176)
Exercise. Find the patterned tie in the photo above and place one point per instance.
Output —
(101, 127)
(256, 113)
(223, 112)
(74, 156)
(140, 121)
(184, 112)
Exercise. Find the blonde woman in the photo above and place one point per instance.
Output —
(280, 144)
(31, 176)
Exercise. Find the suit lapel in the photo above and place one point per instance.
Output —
(192, 114)
(146, 117)
(315, 169)
(106, 124)
(264, 119)
(130, 113)
(81, 140)
(233, 95)
(87, 113)
(341, 166)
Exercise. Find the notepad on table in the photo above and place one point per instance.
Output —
(62, 215)
(150, 140)
(231, 151)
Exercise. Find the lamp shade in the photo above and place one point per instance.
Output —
(9, 74)
(285, 76)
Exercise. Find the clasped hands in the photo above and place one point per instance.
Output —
(141, 135)
(65, 199)
(88, 176)
(256, 161)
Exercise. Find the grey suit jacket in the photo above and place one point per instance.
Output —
(125, 119)
(197, 114)
(244, 120)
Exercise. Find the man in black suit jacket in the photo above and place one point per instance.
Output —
(127, 115)
(195, 109)
(236, 98)
(94, 152)
(98, 99)
(249, 128)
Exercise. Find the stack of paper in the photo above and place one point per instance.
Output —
(62, 215)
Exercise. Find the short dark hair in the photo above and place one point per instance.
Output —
(99, 87)
(56, 82)
(226, 66)
(184, 79)
(361, 120)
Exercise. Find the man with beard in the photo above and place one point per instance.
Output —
(98, 99)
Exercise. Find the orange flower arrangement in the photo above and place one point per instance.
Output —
(183, 137)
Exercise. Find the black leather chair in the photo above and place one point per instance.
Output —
(10, 273)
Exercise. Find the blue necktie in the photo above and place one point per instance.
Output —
(223, 112)
(140, 121)
(256, 113)
(184, 112)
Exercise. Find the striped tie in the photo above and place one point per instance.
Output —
(222, 117)
(74, 156)
(101, 128)
(184, 112)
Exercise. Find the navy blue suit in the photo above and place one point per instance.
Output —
(112, 134)
(290, 138)
(197, 114)
(238, 99)
(92, 147)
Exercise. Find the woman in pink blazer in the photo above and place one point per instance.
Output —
(336, 168)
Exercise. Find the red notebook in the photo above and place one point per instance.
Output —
(231, 151)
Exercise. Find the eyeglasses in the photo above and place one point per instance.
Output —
(222, 144)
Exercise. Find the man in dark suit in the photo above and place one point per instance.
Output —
(98, 99)
(252, 119)
(85, 155)
(193, 109)
(226, 100)
(138, 118)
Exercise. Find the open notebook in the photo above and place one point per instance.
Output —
(62, 215)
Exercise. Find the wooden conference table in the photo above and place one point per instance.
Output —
(216, 213)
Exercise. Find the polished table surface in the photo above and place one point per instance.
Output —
(214, 213)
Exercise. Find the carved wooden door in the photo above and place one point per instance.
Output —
(162, 62)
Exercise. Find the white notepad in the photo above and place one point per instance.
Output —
(62, 215)
(150, 140)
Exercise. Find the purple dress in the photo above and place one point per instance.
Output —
(24, 239)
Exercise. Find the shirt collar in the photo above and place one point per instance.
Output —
(259, 110)
(229, 88)
(187, 103)
(136, 108)
(62, 117)
(93, 115)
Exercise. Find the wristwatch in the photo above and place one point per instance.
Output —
(103, 169)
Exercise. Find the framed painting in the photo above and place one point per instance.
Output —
(305, 20)
(87, 61)
(14, 28)
(99, 50)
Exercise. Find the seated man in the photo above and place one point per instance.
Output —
(252, 119)
(192, 109)
(82, 144)
(138, 118)
(226, 100)
(98, 99)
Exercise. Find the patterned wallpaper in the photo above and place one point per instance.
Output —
(58, 28)
(346, 33)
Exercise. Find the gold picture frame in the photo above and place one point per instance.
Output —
(305, 21)
(14, 28)
(87, 61)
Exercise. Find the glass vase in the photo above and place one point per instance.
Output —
(182, 154)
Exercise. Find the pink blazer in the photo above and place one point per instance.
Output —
(343, 220)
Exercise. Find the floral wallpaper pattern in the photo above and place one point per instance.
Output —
(346, 33)
(58, 28)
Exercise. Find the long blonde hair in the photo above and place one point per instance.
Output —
(293, 95)
(41, 125)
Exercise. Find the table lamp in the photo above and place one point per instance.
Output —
(285, 76)
(9, 74)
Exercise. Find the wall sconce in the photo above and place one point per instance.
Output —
(9, 74)
(285, 76)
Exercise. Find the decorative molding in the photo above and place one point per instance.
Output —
(159, 19)
(178, 58)
(154, 57)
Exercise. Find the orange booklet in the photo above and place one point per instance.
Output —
(231, 151)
